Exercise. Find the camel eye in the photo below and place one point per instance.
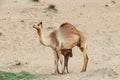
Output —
(38, 24)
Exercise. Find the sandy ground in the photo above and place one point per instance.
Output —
(98, 19)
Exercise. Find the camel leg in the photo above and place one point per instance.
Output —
(58, 50)
(85, 59)
(67, 63)
(64, 63)
(56, 63)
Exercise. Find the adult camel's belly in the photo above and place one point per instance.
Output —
(68, 42)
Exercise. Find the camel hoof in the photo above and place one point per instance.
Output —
(62, 73)
(82, 71)
(58, 72)
(55, 73)
(67, 72)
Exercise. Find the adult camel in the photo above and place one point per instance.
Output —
(65, 37)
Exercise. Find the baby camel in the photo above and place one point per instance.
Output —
(66, 37)
(66, 53)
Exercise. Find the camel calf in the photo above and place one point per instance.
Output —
(66, 53)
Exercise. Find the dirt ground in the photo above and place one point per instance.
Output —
(20, 48)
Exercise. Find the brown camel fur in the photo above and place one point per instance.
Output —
(66, 37)
(66, 53)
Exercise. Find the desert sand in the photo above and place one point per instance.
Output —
(20, 49)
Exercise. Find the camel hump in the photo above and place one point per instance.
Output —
(67, 29)
(65, 24)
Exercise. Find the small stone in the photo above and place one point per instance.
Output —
(26, 63)
(0, 33)
(113, 2)
(50, 28)
(84, 5)
(19, 63)
(22, 21)
(81, 13)
(106, 5)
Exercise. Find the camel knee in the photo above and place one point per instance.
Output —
(82, 49)
(61, 60)
(87, 57)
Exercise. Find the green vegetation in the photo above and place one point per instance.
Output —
(36, 0)
(23, 75)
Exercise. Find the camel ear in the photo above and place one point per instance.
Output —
(40, 22)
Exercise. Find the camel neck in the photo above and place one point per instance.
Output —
(44, 40)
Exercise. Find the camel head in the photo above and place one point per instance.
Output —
(38, 27)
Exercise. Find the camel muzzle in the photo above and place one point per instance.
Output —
(33, 26)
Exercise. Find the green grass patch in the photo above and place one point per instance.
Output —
(23, 75)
